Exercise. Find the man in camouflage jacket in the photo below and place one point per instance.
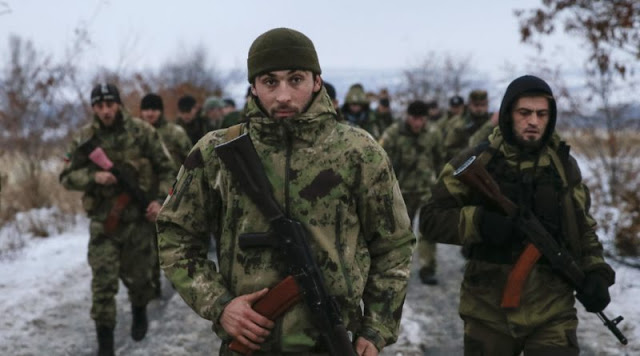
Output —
(119, 245)
(535, 170)
(333, 178)
(415, 153)
(460, 128)
(178, 145)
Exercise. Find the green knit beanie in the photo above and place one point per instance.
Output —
(280, 49)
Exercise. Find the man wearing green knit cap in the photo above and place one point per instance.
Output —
(332, 178)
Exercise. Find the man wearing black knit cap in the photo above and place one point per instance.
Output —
(122, 196)
(188, 117)
(534, 169)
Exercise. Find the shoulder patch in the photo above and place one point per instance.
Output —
(194, 160)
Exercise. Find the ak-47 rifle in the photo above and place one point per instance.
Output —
(290, 238)
(91, 149)
(540, 242)
(96, 154)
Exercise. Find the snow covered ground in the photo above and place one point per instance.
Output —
(45, 298)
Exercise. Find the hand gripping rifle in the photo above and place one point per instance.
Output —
(540, 242)
(290, 238)
(96, 154)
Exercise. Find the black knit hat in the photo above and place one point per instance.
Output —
(186, 103)
(331, 90)
(456, 100)
(151, 101)
(418, 108)
(523, 86)
(279, 49)
(105, 92)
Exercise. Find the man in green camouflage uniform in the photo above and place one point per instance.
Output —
(119, 245)
(178, 144)
(383, 115)
(333, 178)
(356, 111)
(189, 118)
(461, 128)
(415, 153)
(482, 134)
(534, 169)
(456, 108)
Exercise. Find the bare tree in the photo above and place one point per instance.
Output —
(610, 32)
(437, 77)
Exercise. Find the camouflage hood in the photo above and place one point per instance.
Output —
(302, 129)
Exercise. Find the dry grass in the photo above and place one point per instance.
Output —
(29, 184)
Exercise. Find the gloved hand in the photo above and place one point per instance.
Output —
(594, 294)
(495, 228)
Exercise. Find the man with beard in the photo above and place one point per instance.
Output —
(461, 128)
(121, 224)
(534, 169)
(332, 178)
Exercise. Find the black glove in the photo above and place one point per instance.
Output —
(495, 228)
(594, 294)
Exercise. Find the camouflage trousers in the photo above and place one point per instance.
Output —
(556, 338)
(127, 254)
(426, 246)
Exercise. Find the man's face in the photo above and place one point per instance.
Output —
(530, 119)
(214, 114)
(416, 123)
(456, 110)
(227, 109)
(383, 109)
(355, 108)
(189, 115)
(479, 107)
(151, 115)
(106, 111)
(285, 93)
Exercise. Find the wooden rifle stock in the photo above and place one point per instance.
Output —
(473, 174)
(272, 305)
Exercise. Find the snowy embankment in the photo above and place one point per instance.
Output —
(45, 298)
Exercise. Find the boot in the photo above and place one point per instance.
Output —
(427, 276)
(105, 340)
(139, 324)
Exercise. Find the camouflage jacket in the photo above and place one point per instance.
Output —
(482, 134)
(331, 177)
(453, 216)
(365, 120)
(459, 130)
(415, 158)
(175, 140)
(136, 150)
(195, 128)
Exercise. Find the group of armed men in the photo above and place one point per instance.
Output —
(356, 184)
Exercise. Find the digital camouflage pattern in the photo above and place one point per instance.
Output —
(459, 130)
(137, 150)
(175, 139)
(482, 134)
(452, 216)
(337, 182)
(195, 128)
(415, 159)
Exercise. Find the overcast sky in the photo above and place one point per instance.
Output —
(347, 34)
